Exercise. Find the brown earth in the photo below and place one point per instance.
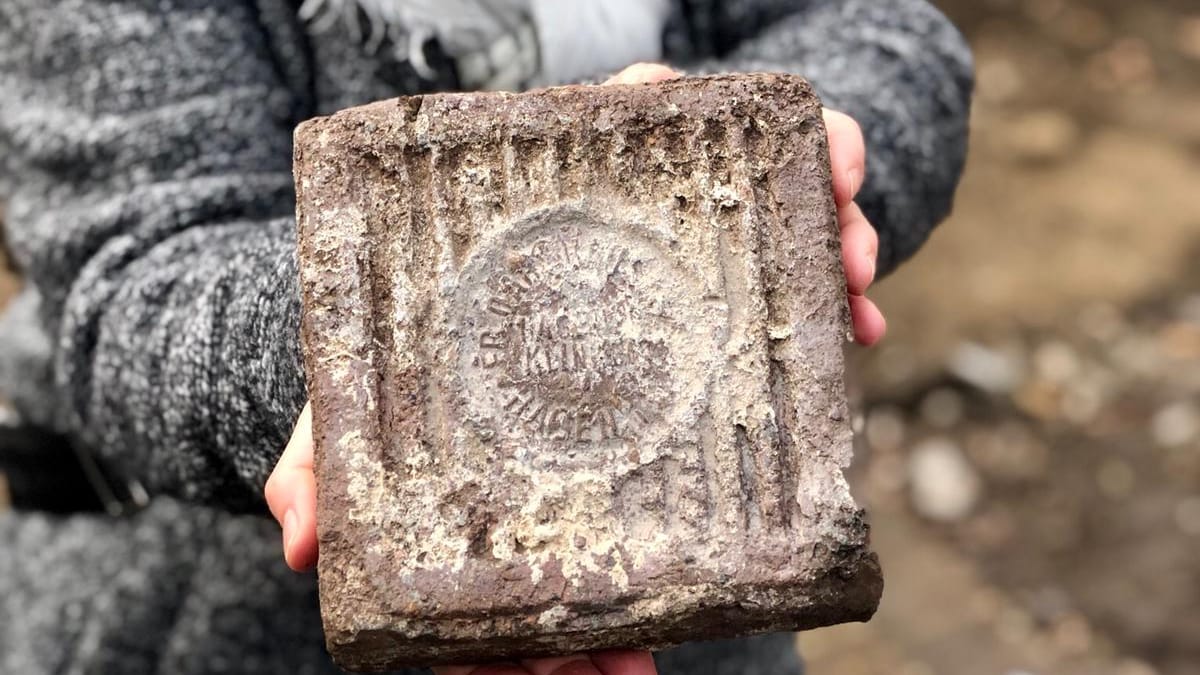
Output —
(1031, 454)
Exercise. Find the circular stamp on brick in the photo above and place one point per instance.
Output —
(580, 341)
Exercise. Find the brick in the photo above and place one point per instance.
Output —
(576, 365)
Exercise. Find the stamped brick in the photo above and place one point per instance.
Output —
(576, 365)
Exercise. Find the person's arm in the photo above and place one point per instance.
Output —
(145, 149)
(898, 67)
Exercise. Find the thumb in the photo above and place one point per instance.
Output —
(291, 494)
(644, 73)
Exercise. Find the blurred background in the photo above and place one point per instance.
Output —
(1030, 446)
(1030, 430)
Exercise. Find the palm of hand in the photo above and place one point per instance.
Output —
(291, 491)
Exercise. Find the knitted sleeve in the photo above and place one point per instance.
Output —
(145, 149)
(898, 67)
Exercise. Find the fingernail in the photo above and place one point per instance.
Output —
(856, 176)
(289, 529)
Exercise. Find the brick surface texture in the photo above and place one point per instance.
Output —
(576, 365)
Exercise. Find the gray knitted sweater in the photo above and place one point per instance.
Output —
(145, 150)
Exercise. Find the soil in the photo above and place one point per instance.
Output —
(1045, 352)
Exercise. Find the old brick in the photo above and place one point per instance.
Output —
(575, 358)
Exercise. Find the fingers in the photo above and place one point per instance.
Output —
(624, 662)
(847, 155)
(869, 324)
(578, 664)
(617, 662)
(860, 248)
(490, 669)
(643, 73)
(291, 494)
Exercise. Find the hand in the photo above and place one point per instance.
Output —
(860, 242)
(291, 491)
(291, 494)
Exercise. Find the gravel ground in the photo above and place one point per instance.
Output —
(1031, 445)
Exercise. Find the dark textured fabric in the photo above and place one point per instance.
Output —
(173, 589)
(145, 154)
